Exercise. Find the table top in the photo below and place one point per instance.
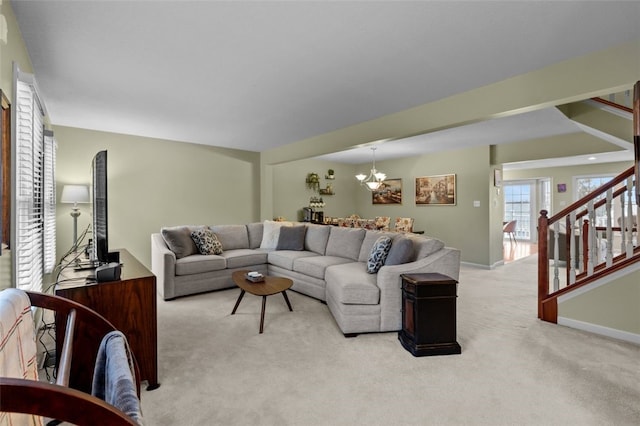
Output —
(131, 269)
(270, 285)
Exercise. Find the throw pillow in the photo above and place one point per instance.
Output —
(401, 251)
(179, 241)
(271, 233)
(378, 255)
(206, 241)
(291, 238)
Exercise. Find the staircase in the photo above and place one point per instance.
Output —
(592, 238)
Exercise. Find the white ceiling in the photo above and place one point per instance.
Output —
(257, 75)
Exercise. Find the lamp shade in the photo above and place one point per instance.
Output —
(73, 194)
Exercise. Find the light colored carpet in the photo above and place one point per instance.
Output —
(215, 369)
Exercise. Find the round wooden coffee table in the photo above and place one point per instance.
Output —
(270, 285)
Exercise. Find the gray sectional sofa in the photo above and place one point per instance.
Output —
(325, 262)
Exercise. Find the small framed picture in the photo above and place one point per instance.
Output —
(497, 178)
(562, 187)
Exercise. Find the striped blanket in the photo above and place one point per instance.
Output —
(17, 347)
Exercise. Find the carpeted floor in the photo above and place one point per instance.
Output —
(215, 369)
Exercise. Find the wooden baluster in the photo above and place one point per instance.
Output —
(609, 232)
(636, 138)
(586, 239)
(556, 249)
(571, 263)
(622, 221)
(628, 223)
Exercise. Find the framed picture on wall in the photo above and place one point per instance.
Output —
(436, 190)
(390, 192)
(497, 178)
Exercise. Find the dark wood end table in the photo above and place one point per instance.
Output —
(270, 285)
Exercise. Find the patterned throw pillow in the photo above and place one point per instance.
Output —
(378, 255)
(206, 241)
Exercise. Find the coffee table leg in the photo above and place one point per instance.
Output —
(238, 302)
(264, 303)
(286, 298)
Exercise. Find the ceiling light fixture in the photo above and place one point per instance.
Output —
(375, 178)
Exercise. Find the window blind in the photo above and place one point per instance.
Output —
(50, 148)
(34, 188)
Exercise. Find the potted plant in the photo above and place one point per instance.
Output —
(313, 181)
(330, 174)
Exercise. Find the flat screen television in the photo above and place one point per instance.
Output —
(99, 207)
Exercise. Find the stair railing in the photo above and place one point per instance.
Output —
(582, 241)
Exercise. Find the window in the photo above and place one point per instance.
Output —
(519, 205)
(34, 188)
(586, 184)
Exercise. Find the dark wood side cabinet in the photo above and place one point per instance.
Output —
(429, 314)
(130, 305)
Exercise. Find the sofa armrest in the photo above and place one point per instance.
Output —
(163, 265)
(445, 261)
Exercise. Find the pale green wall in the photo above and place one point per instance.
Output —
(290, 193)
(468, 228)
(558, 146)
(13, 51)
(154, 183)
(594, 307)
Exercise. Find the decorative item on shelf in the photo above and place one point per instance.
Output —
(327, 191)
(330, 175)
(315, 202)
(375, 178)
(313, 181)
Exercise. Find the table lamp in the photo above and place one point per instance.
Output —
(75, 194)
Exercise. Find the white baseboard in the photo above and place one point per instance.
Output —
(601, 330)
(478, 265)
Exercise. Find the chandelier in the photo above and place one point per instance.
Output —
(375, 179)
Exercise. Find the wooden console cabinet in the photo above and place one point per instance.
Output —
(429, 314)
(130, 305)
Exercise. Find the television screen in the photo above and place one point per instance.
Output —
(99, 207)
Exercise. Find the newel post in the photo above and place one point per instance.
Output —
(543, 260)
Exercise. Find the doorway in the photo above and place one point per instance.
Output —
(523, 200)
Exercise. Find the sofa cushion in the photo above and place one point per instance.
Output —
(425, 246)
(351, 284)
(271, 233)
(240, 258)
(367, 243)
(315, 266)
(401, 251)
(285, 258)
(255, 234)
(316, 238)
(232, 236)
(179, 241)
(206, 241)
(378, 255)
(198, 264)
(291, 238)
(345, 242)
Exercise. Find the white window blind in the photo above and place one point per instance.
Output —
(50, 148)
(34, 188)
